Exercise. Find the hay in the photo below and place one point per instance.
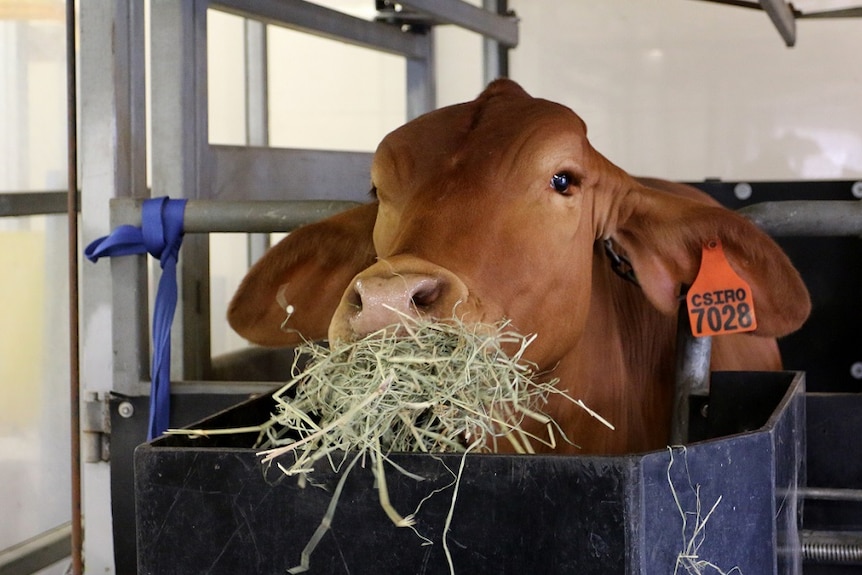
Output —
(432, 387)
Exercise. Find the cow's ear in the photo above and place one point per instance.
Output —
(663, 236)
(308, 270)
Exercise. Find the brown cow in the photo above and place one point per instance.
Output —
(499, 208)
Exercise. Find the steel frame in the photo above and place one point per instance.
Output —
(115, 298)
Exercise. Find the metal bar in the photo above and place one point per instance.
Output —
(753, 4)
(503, 29)
(831, 494)
(129, 278)
(208, 216)
(194, 325)
(261, 216)
(854, 12)
(174, 94)
(131, 324)
(215, 387)
(127, 284)
(258, 244)
(17, 204)
(76, 528)
(207, 386)
(38, 552)
(181, 162)
(693, 356)
(782, 17)
(250, 173)
(422, 80)
(490, 61)
(256, 111)
(256, 82)
(495, 54)
(313, 19)
(112, 154)
(807, 218)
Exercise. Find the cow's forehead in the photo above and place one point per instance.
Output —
(498, 122)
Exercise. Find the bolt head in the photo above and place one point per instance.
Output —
(126, 409)
(742, 191)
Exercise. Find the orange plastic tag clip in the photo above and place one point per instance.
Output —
(719, 301)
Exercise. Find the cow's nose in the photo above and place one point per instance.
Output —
(402, 294)
(380, 302)
(376, 301)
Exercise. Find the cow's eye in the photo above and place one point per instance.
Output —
(562, 182)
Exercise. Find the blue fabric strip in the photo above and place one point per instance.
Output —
(160, 235)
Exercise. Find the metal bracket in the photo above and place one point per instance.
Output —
(390, 12)
(95, 428)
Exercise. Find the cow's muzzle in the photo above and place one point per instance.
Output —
(394, 291)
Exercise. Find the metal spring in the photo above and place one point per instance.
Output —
(844, 548)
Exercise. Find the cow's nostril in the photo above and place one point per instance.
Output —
(354, 296)
(426, 294)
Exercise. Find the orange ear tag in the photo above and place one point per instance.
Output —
(719, 301)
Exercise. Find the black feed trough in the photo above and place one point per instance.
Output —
(728, 498)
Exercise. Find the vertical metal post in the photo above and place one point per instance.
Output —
(693, 356)
(256, 108)
(256, 83)
(112, 156)
(77, 567)
(131, 301)
(421, 83)
(495, 55)
(181, 161)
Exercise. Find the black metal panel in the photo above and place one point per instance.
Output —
(830, 342)
(834, 463)
(835, 459)
(233, 517)
(126, 434)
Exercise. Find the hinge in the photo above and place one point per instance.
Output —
(96, 428)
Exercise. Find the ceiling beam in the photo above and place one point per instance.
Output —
(781, 13)
(782, 16)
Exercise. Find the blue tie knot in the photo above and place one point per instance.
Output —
(160, 235)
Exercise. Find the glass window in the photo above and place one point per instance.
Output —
(34, 366)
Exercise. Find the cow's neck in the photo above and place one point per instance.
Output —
(625, 369)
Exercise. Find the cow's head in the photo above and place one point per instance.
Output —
(493, 209)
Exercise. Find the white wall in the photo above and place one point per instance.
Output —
(688, 89)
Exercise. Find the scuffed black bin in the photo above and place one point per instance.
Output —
(208, 506)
